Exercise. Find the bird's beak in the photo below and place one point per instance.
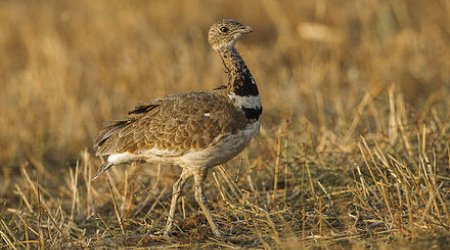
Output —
(245, 29)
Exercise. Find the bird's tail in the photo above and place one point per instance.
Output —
(105, 166)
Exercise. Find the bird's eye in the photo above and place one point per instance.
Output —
(223, 29)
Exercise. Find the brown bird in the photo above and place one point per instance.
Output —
(196, 130)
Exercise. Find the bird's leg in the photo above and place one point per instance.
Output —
(176, 192)
(199, 177)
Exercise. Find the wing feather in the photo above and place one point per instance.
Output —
(172, 125)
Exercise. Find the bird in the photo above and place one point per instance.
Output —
(195, 130)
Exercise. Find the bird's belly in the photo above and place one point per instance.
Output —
(222, 150)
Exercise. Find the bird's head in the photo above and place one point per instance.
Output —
(225, 33)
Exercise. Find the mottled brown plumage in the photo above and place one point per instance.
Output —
(176, 123)
(196, 130)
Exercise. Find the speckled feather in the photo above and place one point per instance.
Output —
(177, 123)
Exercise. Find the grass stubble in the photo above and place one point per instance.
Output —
(354, 147)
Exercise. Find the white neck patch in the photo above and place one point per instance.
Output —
(249, 102)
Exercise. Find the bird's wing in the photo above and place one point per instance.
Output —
(170, 126)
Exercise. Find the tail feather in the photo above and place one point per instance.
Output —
(102, 169)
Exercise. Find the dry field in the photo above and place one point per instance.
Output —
(353, 152)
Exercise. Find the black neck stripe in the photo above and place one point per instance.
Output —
(245, 86)
(252, 113)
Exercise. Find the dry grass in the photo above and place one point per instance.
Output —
(353, 152)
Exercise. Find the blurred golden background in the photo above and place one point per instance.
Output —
(68, 66)
(353, 150)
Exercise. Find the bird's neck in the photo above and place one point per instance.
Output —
(241, 88)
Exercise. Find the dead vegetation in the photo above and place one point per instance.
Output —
(354, 149)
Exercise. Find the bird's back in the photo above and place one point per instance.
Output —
(173, 126)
